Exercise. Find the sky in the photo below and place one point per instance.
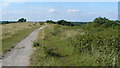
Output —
(59, 0)
(71, 11)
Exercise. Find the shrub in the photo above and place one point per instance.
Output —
(41, 23)
(36, 43)
(100, 20)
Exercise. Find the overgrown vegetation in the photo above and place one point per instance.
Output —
(92, 44)
(36, 43)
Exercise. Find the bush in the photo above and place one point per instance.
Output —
(41, 23)
(36, 43)
(100, 20)
(92, 44)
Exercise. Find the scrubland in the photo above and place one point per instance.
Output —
(92, 44)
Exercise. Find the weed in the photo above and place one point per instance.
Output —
(36, 43)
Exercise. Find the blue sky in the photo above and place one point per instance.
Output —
(71, 11)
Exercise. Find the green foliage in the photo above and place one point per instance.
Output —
(50, 21)
(92, 44)
(104, 22)
(41, 23)
(100, 20)
(36, 43)
(63, 22)
(7, 22)
(22, 20)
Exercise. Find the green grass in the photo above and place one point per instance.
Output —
(77, 46)
(14, 36)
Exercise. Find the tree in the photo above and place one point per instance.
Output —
(22, 20)
(104, 22)
(63, 22)
(50, 21)
(100, 20)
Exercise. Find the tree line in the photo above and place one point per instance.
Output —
(98, 21)
(19, 20)
(61, 22)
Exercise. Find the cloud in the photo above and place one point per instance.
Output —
(51, 10)
(73, 10)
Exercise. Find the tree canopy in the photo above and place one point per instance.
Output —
(104, 22)
(63, 22)
(100, 20)
(50, 21)
(22, 20)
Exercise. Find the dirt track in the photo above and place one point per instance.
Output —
(20, 55)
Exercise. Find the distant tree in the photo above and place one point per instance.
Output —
(72, 24)
(106, 23)
(100, 20)
(5, 22)
(50, 21)
(22, 20)
(63, 22)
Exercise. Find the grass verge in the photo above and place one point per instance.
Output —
(9, 42)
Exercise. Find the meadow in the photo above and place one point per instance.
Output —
(92, 44)
(14, 32)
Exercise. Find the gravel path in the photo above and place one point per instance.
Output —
(20, 55)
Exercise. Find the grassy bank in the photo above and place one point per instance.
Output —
(14, 32)
(85, 45)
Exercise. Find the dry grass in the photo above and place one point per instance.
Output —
(14, 32)
(11, 29)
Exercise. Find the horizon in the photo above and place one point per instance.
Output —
(70, 11)
(46, 20)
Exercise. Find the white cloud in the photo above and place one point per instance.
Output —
(51, 10)
(73, 10)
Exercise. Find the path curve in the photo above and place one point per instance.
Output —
(20, 55)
